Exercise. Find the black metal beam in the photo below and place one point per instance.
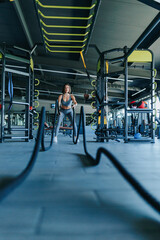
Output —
(93, 24)
(151, 3)
(144, 35)
(151, 38)
(148, 31)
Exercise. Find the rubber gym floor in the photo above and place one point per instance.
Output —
(66, 199)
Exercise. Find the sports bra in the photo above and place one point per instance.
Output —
(66, 103)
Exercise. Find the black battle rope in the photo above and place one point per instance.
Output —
(52, 134)
(7, 185)
(154, 203)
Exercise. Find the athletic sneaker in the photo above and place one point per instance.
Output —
(55, 139)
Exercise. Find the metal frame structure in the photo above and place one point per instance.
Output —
(103, 74)
(29, 94)
(101, 84)
(127, 110)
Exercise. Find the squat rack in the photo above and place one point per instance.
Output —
(29, 73)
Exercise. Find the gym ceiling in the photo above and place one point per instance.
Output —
(57, 30)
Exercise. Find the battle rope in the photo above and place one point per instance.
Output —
(7, 185)
(52, 134)
(154, 203)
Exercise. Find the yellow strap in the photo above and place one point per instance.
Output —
(64, 7)
(64, 17)
(64, 34)
(81, 53)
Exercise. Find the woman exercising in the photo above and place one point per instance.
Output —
(65, 108)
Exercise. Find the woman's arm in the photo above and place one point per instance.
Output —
(74, 101)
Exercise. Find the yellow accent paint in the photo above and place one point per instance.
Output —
(107, 67)
(38, 82)
(63, 26)
(64, 7)
(1, 56)
(155, 72)
(63, 17)
(93, 85)
(37, 104)
(37, 93)
(98, 66)
(93, 94)
(99, 120)
(64, 34)
(140, 56)
(31, 64)
(57, 51)
(55, 40)
(36, 124)
(92, 105)
(37, 116)
(82, 57)
(59, 46)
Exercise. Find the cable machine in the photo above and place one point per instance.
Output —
(28, 73)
